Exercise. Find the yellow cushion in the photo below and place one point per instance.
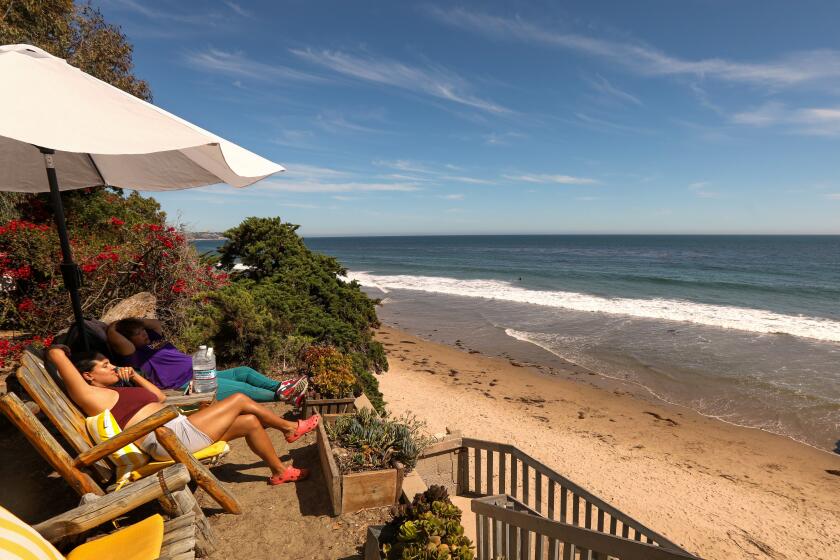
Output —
(19, 541)
(140, 541)
(103, 427)
(217, 449)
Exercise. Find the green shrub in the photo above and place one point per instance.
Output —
(369, 440)
(289, 294)
(238, 326)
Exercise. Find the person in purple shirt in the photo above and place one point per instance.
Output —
(140, 344)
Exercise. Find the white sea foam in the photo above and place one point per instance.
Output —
(727, 317)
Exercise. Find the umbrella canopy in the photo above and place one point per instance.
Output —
(62, 129)
(102, 135)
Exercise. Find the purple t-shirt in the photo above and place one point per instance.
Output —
(164, 365)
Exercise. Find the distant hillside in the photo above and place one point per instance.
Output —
(199, 235)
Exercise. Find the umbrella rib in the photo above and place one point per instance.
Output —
(96, 168)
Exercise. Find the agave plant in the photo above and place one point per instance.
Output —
(375, 441)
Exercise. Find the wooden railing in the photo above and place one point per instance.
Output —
(486, 468)
(507, 528)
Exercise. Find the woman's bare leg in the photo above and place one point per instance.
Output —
(218, 418)
(250, 427)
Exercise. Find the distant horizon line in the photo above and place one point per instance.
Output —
(352, 235)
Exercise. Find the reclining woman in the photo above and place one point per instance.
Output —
(140, 344)
(90, 380)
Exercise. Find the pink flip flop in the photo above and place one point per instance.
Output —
(304, 427)
(291, 474)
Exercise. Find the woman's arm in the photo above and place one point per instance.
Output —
(74, 382)
(154, 325)
(118, 343)
(128, 374)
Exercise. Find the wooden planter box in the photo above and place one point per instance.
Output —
(357, 491)
(317, 405)
(334, 406)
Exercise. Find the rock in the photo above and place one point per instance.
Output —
(141, 305)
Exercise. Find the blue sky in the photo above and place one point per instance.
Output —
(698, 116)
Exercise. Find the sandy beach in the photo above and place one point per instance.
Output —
(720, 491)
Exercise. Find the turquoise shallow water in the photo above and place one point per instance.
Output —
(745, 328)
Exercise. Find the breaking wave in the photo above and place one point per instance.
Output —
(727, 317)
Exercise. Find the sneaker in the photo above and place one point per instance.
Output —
(291, 389)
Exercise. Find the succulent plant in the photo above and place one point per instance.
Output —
(429, 529)
(376, 441)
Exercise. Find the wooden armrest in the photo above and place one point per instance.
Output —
(111, 506)
(127, 436)
(176, 398)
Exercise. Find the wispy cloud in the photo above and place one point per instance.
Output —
(701, 190)
(467, 180)
(805, 67)
(833, 196)
(501, 138)
(238, 65)
(336, 122)
(555, 179)
(434, 81)
(331, 187)
(292, 138)
(299, 205)
(193, 17)
(424, 172)
(404, 165)
(605, 88)
(305, 178)
(602, 124)
(296, 170)
(456, 196)
(238, 9)
(814, 121)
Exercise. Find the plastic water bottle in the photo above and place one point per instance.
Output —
(204, 370)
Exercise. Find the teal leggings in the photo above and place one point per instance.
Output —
(245, 380)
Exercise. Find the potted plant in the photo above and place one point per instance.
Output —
(364, 457)
(427, 529)
(333, 386)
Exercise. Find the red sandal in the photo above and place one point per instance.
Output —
(291, 474)
(304, 427)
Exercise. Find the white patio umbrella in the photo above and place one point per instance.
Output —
(63, 129)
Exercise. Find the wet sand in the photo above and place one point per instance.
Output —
(719, 490)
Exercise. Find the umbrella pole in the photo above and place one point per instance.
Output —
(69, 270)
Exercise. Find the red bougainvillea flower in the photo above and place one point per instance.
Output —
(117, 222)
(90, 267)
(22, 273)
(108, 256)
(179, 286)
(26, 305)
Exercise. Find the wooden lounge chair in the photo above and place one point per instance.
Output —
(70, 423)
(150, 538)
(176, 504)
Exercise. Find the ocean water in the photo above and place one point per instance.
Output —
(742, 328)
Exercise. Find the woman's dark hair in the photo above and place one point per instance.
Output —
(130, 326)
(86, 361)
